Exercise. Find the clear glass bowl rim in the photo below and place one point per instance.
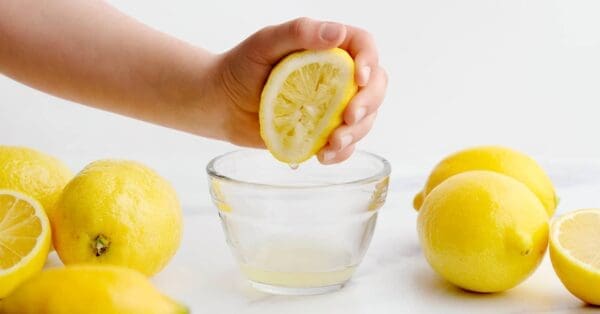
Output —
(383, 172)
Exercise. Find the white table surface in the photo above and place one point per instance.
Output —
(393, 278)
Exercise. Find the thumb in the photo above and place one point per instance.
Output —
(272, 43)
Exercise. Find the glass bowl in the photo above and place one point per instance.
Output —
(297, 231)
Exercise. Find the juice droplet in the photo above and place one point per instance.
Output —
(293, 166)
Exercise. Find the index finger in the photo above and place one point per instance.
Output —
(361, 45)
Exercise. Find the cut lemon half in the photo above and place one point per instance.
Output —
(303, 102)
(24, 239)
(575, 253)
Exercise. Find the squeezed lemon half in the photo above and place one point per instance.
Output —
(303, 102)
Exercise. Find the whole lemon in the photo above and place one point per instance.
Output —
(33, 173)
(118, 212)
(89, 289)
(483, 231)
(498, 159)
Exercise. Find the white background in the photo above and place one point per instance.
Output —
(519, 73)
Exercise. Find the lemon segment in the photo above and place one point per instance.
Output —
(24, 239)
(575, 253)
(303, 102)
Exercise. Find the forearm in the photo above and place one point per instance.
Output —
(89, 52)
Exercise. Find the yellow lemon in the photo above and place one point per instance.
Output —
(118, 212)
(483, 231)
(575, 253)
(33, 173)
(89, 289)
(303, 101)
(24, 239)
(493, 158)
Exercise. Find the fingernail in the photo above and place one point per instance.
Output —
(328, 156)
(359, 114)
(346, 140)
(365, 74)
(330, 32)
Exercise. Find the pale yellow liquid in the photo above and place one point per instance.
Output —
(298, 279)
(298, 265)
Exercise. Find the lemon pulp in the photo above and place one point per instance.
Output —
(303, 101)
(575, 253)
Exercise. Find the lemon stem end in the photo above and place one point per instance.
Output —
(101, 245)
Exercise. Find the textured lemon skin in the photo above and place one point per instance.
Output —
(582, 281)
(127, 204)
(494, 158)
(33, 263)
(483, 231)
(33, 173)
(89, 289)
(348, 91)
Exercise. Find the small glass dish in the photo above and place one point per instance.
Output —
(302, 231)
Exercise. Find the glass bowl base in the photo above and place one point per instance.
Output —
(281, 290)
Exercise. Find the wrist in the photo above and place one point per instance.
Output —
(193, 100)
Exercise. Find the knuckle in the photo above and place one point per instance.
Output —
(384, 77)
(372, 119)
(299, 27)
(361, 31)
(366, 36)
(351, 149)
(368, 43)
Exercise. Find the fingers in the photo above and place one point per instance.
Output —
(328, 157)
(346, 135)
(361, 46)
(359, 117)
(368, 99)
(272, 43)
(269, 45)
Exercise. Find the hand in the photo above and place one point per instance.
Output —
(242, 72)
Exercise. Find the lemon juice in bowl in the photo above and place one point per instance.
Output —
(297, 232)
(296, 263)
